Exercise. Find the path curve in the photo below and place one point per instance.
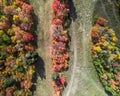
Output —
(75, 59)
(84, 80)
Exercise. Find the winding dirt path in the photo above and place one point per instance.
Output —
(84, 80)
(75, 59)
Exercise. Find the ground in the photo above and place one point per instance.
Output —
(82, 77)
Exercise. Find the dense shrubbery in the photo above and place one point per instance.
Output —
(60, 55)
(106, 56)
(17, 53)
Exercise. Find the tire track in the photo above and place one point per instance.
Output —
(104, 10)
(75, 59)
(76, 82)
(113, 9)
(85, 44)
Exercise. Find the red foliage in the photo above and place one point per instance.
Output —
(66, 55)
(58, 82)
(57, 21)
(28, 37)
(94, 35)
(59, 8)
(26, 84)
(8, 93)
(59, 41)
(29, 48)
(115, 64)
(25, 7)
(25, 26)
(56, 67)
(100, 21)
(62, 79)
(19, 2)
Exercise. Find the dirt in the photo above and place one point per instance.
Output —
(42, 10)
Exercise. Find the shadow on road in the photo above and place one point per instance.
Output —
(40, 65)
(73, 13)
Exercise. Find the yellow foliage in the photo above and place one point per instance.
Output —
(19, 9)
(31, 70)
(18, 60)
(113, 34)
(110, 47)
(105, 43)
(2, 17)
(15, 17)
(118, 56)
(114, 39)
(1, 32)
(97, 49)
(112, 43)
(13, 39)
(14, 3)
